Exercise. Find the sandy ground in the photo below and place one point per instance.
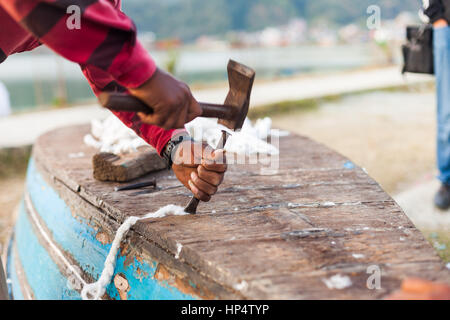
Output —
(11, 190)
(390, 134)
(419, 199)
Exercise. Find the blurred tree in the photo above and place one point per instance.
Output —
(187, 19)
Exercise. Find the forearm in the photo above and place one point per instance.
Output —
(106, 38)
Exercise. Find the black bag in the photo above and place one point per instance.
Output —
(418, 51)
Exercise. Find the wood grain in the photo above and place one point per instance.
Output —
(282, 233)
(126, 167)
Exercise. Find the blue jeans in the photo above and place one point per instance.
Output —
(442, 70)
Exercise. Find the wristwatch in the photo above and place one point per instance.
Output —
(171, 147)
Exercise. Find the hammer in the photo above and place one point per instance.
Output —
(231, 114)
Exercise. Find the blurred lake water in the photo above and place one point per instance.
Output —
(42, 79)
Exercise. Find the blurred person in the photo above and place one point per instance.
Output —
(439, 13)
(105, 46)
(5, 107)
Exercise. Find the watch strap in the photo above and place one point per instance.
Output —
(171, 147)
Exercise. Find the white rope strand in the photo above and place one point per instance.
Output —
(94, 291)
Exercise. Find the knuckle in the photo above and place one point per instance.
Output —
(159, 120)
(186, 89)
(200, 195)
(218, 180)
(173, 101)
(171, 122)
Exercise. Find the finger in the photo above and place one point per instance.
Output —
(216, 162)
(182, 117)
(214, 156)
(202, 185)
(168, 118)
(200, 195)
(145, 117)
(170, 123)
(151, 119)
(194, 110)
(220, 168)
(211, 177)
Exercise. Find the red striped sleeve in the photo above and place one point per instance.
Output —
(131, 71)
(13, 38)
(101, 81)
(106, 38)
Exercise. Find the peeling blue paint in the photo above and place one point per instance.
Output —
(73, 233)
(42, 273)
(349, 165)
(13, 287)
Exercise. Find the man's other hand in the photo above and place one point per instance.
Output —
(200, 168)
(171, 100)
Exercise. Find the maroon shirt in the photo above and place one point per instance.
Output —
(105, 47)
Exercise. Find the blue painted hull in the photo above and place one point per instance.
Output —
(54, 251)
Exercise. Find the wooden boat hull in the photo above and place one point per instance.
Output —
(52, 250)
(267, 234)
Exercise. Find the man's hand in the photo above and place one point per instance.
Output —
(199, 168)
(171, 100)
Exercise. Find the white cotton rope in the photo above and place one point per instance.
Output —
(111, 135)
(94, 291)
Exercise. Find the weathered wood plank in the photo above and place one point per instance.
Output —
(134, 246)
(281, 233)
(126, 167)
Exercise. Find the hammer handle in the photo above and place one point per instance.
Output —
(128, 103)
(193, 204)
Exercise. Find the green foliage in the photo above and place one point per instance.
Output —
(171, 63)
(440, 240)
(187, 19)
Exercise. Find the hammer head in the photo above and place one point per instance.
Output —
(241, 79)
